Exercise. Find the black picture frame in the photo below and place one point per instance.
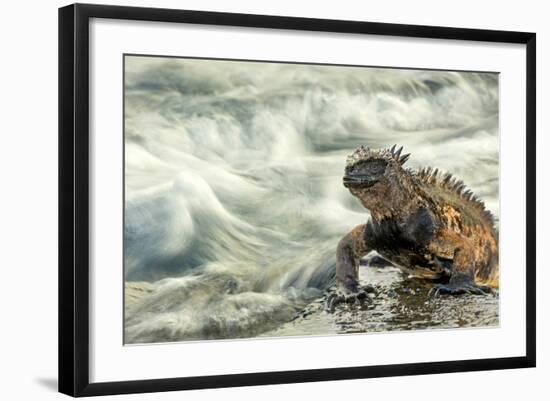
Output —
(74, 193)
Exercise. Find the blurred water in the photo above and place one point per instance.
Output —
(234, 202)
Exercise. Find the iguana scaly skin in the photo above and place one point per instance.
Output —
(425, 222)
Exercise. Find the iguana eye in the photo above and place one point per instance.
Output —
(374, 168)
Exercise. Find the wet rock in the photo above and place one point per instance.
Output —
(376, 261)
(393, 303)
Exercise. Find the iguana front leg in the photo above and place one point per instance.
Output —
(464, 255)
(348, 253)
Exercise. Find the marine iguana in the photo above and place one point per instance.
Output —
(425, 222)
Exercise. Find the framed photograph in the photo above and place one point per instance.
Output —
(251, 199)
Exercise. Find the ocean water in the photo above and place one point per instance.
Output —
(233, 197)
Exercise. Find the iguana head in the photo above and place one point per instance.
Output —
(376, 177)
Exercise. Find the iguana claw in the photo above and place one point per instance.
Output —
(339, 297)
(459, 289)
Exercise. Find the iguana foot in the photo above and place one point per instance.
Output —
(359, 296)
(459, 289)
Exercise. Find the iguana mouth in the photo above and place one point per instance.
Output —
(363, 181)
